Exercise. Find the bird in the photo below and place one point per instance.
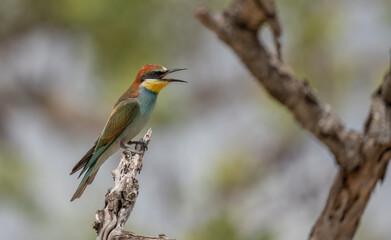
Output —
(129, 116)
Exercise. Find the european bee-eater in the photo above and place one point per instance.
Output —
(129, 116)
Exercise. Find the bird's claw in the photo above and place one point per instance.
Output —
(142, 144)
(123, 145)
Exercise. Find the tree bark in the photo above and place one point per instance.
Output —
(362, 156)
(119, 202)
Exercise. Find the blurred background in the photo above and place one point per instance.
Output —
(225, 160)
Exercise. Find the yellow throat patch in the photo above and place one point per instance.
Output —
(154, 85)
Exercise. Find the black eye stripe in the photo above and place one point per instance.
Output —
(143, 77)
(156, 73)
(151, 74)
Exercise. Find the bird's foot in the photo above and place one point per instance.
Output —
(142, 144)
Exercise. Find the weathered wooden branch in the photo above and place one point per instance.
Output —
(362, 156)
(119, 202)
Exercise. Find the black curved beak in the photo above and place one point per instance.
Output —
(171, 71)
(173, 80)
(175, 70)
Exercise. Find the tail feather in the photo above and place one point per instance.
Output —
(84, 160)
(90, 163)
(87, 179)
(83, 186)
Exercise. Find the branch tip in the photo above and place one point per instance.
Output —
(201, 12)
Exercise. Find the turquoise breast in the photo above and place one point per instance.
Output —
(147, 104)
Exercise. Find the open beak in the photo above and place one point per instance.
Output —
(173, 80)
(171, 71)
(175, 70)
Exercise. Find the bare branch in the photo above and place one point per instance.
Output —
(119, 202)
(378, 124)
(132, 236)
(237, 27)
(348, 198)
(386, 86)
(351, 191)
(362, 156)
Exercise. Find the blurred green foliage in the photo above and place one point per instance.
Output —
(15, 183)
(235, 171)
(313, 31)
(124, 34)
(10, 181)
(217, 228)
(118, 28)
(222, 227)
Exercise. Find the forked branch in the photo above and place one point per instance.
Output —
(238, 26)
(361, 156)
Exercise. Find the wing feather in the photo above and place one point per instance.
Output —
(121, 116)
(119, 119)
